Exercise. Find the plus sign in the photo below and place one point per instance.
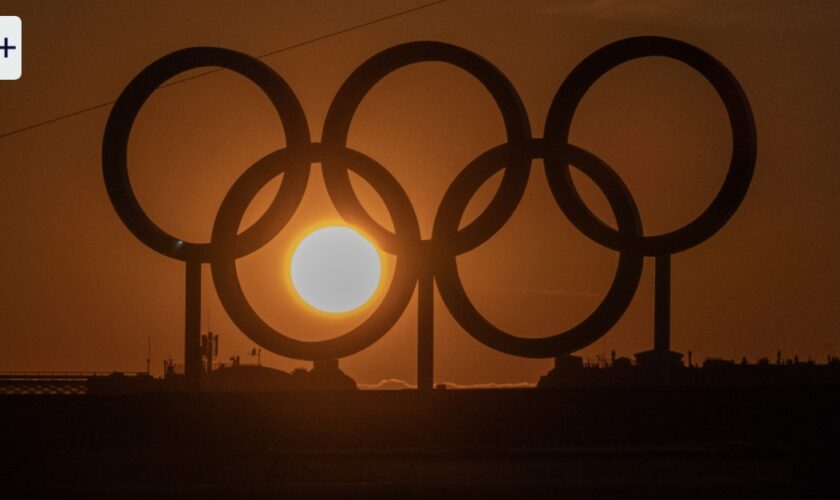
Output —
(6, 47)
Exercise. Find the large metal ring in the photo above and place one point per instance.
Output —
(118, 131)
(359, 83)
(741, 165)
(396, 298)
(617, 298)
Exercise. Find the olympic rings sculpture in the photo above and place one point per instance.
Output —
(435, 257)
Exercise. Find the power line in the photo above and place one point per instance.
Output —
(210, 72)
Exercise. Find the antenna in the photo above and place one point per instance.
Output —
(149, 357)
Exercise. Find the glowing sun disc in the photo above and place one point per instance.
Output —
(335, 269)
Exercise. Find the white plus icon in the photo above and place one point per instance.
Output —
(11, 48)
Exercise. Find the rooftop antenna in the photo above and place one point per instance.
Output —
(149, 356)
(209, 345)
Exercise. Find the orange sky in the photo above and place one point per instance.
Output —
(79, 292)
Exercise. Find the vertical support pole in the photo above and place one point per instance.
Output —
(425, 331)
(662, 305)
(192, 327)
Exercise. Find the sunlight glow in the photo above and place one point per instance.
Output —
(335, 269)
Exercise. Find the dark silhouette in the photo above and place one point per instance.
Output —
(428, 261)
(642, 441)
(324, 376)
(572, 372)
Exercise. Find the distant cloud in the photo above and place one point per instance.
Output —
(394, 384)
(509, 385)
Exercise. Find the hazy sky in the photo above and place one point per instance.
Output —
(79, 292)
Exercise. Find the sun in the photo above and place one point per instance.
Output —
(335, 269)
